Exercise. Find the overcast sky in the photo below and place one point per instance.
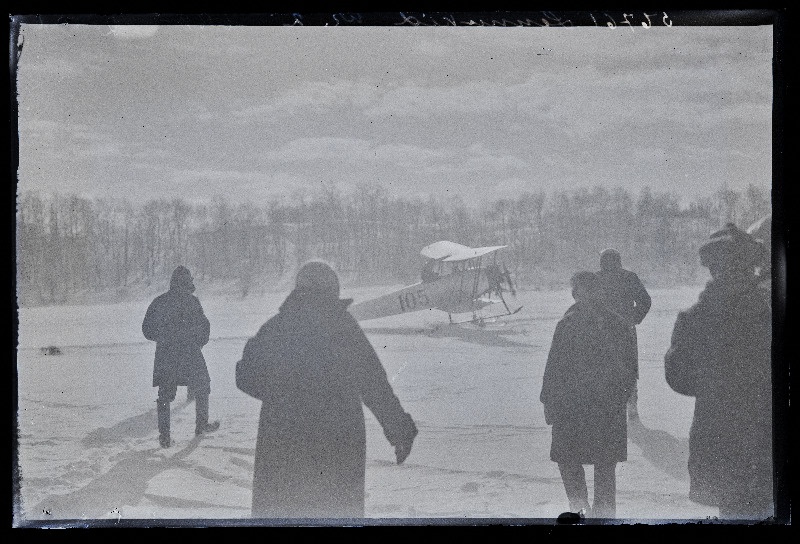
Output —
(249, 112)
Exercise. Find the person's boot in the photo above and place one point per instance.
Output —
(605, 491)
(201, 416)
(604, 511)
(162, 409)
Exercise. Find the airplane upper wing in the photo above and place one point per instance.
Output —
(441, 250)
(471, 253)
(450, 251)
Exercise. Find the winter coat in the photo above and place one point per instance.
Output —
(720, 354)
(313, 368)
(176, 322)
(623, 293)
(586, 384)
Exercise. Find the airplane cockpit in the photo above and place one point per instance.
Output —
(430, 271)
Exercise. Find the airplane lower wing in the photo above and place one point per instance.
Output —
(452, 294)
(408, 299)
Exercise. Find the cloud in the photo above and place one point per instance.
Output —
(321, 149)
(410, 156)
(472, 98)
(133, 32)
(313, 97)
(185, 176)
(233, 185)
(363, 153)
(440, 108)
(47, 139)
(47, 68)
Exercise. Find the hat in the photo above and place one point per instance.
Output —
(610, 259)
(181, 279)
(318, 276)
(732, 247)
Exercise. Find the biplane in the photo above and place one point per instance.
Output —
(455, 279)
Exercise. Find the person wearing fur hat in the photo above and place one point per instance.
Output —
(624, 293)
(176, 322)
(313, 369)
(720, 354)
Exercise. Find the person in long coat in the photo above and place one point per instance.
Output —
(176, 322)
(624, 293)
(586, 384)
(720, 354)
(314, 369)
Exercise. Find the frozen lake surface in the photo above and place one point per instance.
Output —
(88, 441)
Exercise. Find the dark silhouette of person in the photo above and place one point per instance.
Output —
(585, 386)
(428, 272)
(623, 293)
(176, 322)
(720, 354)
(314, 369)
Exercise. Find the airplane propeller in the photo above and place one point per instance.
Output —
(500, 279)
(506, 275)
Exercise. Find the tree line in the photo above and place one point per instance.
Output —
(68, 246)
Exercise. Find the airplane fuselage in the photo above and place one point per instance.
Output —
(454, 293)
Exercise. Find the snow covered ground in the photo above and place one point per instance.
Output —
(88, 446)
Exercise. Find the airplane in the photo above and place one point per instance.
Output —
(454, 280)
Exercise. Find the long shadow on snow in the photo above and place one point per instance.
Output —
(663, 450)
(473, 334)
(124, 484)
(133, 427)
